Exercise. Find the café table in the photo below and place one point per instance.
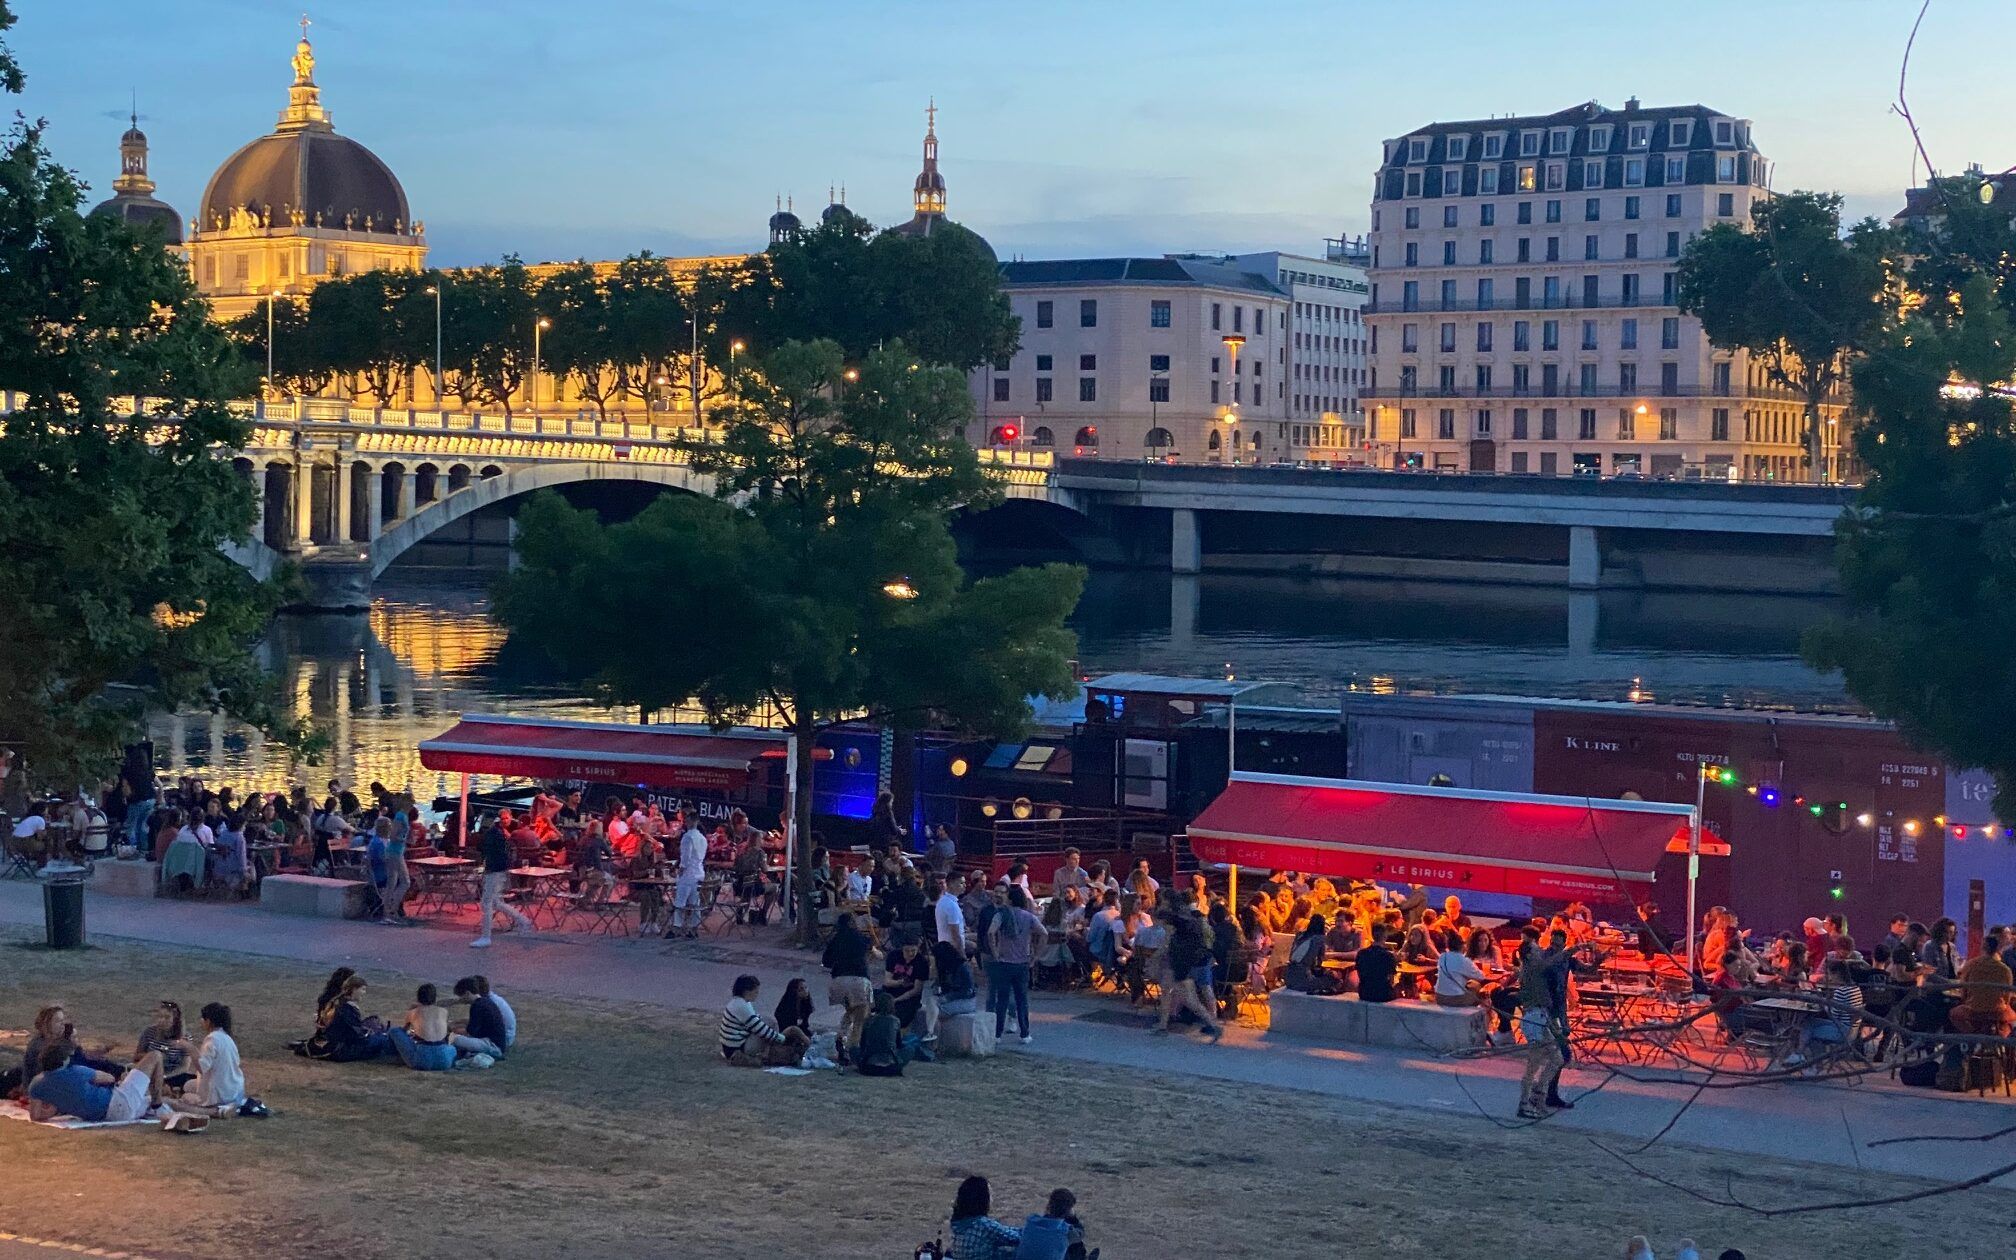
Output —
(540, 885)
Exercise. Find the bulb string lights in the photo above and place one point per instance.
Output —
(1774, 795)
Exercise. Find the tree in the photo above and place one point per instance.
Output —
(362, 324)
(580, 345)
(114, 594)
(829, 497)
(1794, 293)
(1928, 556)
(491, 335)
(647, 312)
(300, 364)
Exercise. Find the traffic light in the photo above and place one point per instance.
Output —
(1010, 432)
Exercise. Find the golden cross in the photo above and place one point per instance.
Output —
(304, 26)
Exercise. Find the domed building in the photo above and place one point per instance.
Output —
(133, 198)
(928, 195)
(784, 224)
(299, 205)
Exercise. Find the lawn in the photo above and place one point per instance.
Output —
(614, 1131)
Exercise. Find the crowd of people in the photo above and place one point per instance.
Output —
(181, 1075)
(426, 1038)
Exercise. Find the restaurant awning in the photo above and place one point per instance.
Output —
(689, 757)
(1568, 847)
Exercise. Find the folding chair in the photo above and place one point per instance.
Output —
(725, 912)
(19, 866)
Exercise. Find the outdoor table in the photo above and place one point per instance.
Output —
(265, 857)
(1787, 1015)
(539, 889)
(1411, 973)
(441, 864)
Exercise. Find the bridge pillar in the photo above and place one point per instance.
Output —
(1585, 619)
(409, 488)
(1183, 601)
(1186, 546)
(1585, 558)
(374, 507)
(304, 504)
(341, 494)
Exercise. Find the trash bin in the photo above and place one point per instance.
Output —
(63, 907)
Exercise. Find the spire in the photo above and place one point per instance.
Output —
(304, 110)
(133, 158)
(929, 191)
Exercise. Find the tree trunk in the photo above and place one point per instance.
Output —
(807, 733)
(1816, 439)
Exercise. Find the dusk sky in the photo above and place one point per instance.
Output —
(1067, 127)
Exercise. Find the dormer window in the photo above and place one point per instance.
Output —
(1529, 144)
(1725, 132)
(1560, 139)
(1681, 134)
(1640, 135)
(1599, 139)
(1458, 148)
(1417, 149)
(1494, 145)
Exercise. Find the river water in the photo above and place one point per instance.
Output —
(379, 682)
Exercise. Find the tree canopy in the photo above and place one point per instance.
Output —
(1928, 556)
(1794, 292)
(819, 582)
(114, 593)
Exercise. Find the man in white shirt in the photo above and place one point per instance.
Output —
(686, 889)
(859, 886)
(28, 832)
(950, 916)
(1458, 981)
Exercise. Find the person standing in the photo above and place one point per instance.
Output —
(1015, 936)
(950, 915)
(846, 962)
(1187, 953)
(496, 878)
(686, 889)
(944, 850)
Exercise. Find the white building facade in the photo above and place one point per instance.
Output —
(1139, 358)
(1524, 312)
(1324, 362)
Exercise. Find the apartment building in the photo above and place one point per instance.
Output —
(1323, 359)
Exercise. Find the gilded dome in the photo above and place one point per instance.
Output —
(332, 180)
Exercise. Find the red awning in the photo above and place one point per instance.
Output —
(1548, 846)
(692, 757)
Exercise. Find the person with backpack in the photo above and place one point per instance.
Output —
(1056, 1233)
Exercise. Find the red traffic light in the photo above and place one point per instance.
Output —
(1009, 433)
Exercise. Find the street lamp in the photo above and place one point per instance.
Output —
(538, 327)
(735, 348)
(270, 295)
(899, 588)
(440, 399)
(1233, 344)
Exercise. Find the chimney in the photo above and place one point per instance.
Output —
(1630, 103)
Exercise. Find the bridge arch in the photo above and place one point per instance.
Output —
(496, 485)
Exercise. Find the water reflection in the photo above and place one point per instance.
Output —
(380, 682)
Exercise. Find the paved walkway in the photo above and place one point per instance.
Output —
(1828, 1123)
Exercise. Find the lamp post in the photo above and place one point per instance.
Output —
(735, 348)
(270, 384)
(440, 399)
(539, 326)
(694, 365)
(1233, 343)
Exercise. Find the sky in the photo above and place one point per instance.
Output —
(1067, 128)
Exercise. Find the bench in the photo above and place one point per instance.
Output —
(1403, 1024)
(125, 879)
(314, 895)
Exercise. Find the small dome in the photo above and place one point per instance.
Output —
(143, 211)
(926, 226)
(929, 181)
(316, 172)
(784, 221)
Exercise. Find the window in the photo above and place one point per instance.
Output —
(1676, 169)
(1592, 173)
(1042, 363)
(1483, 378)
(1550, 334)
(1487, 180)
(1627, 378)
(1522, 378)
(1549, 424)
(1088, 389)
(1553, 212)
(1158, 389)
(1088, 363)
(1452, 181)
(1721, 378)
(1560, 140)
(1672, 244)
(1679, 133)
(1585, 425)
(1550, 286)
(1001, 364)
(1725, 204)
(1634, 172)
(1448, 342)
(1446, 378)
(1627, 424)
(1000, 389)
(1484, 423)
(1557, 176)
(1448, 295)
(1669, 333)
(1484, 335)
(1214, 392)
(1525, 249)
(1494, 145)
(1519, 424)
(1445, 424)
(1412, 219)
(1599, 138)
(1484, 252)
(1238, 320)
(1529, 177)
(1640, 135)
(1630, 244)
(1043, 394)
(1487, 216)
(1669, 379)
(1412, 258)
(1589, 334)
(1408, 422)
(1525, 214)
(1669, 289)
(1456, 147)
(1410, 295)
(1484, 295)
(1214, 365)
(1591, 250)
(1725, 131)
(1725, 169)
(1417, 149)
(1522, 335)
(1627, 337)
(1044, 314)
(1088, 313)
(1410, 338)
(1632, 206)
(1158, 363)
(1448, 253)
(1529, 144)
(1158, 314)
(1629, 295)
(1672, 205)
(1718, 425)
(1448, 216)
(1553, 249)
(1592, 209)
(1591, 291)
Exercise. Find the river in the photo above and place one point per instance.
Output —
(379, 682)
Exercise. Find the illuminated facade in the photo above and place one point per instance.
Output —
(297, 206)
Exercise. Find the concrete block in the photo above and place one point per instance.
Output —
(1403, 1025)
(966, 1036)
(125, 879)
(313, 895)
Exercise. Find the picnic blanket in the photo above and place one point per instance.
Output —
(11, 1110)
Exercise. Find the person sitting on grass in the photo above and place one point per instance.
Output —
(881, 1052)
(53, 1028)
(485, 1031)
(794, 1009)
(976, 1235)
(63, 1088)
(346, 1036)
(749, 1040)
(163, 1036)
(1063, 1206)
(220, 1079)
(423, 1040)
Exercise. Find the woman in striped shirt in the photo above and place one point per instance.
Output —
(749, 1040)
